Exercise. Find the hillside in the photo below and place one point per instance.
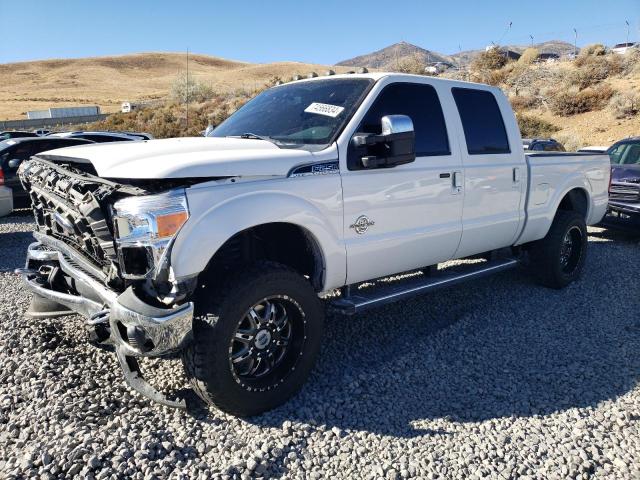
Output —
(558, 47)
(108, 81)
(390, 57)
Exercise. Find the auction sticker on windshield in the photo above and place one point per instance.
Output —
(324, 109)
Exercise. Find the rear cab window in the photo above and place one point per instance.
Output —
(482, 121)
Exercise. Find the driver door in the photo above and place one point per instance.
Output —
(408, 216)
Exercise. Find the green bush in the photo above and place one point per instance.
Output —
(531, 126)
(186, 88)
(572, 102)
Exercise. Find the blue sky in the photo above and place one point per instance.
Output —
(325, 31)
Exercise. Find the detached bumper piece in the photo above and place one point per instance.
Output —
(64, 284)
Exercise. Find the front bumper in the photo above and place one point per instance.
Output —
(626, 208)
(136, 329)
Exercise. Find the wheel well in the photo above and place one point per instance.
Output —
(575, 200)
(280, 242)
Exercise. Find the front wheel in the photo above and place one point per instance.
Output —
(559, 257)
(255, 340)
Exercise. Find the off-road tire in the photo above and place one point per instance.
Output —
(218, 312)
(546, 254)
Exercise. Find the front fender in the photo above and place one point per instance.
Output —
(218, 213)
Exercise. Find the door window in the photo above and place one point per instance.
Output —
(421, 103)
(482, 121)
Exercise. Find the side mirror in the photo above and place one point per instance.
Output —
(14, 163)
(396, 145)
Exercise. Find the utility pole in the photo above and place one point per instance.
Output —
(628, 26)
(187, 94)
(575, 42)
(531, 37)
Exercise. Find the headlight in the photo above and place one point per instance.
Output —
(144, 227)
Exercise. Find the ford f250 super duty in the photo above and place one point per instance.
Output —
(226, 250)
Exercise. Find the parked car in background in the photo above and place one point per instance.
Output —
(594, 149)
(624, 193)
(16, 134)
(542, 145)
(15, 150)
(42, 132)
(622, 48)
(104, 137)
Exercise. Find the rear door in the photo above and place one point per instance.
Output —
(412, 212)
(494, 172)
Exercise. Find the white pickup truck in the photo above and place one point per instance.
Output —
(227, 249)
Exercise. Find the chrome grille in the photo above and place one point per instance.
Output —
(625, 192)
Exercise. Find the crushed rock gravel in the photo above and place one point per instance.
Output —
(496, 379)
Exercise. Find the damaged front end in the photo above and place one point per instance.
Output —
(103, 251)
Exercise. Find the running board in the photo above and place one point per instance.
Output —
(367, 298)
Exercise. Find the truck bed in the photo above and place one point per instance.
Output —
(550, 176)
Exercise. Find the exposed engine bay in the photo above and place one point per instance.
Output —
(74, 206)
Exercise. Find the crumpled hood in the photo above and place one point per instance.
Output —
(202, 157)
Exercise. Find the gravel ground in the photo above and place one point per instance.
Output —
(497, 379)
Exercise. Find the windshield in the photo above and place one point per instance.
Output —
(625, 154)
(297, 115)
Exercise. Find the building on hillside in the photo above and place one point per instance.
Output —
(63, 112)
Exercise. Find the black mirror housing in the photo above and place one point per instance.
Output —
(395, 146)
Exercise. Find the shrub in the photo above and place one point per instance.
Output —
(531, 126)
(186, 88)
(593, 50)
(625, 105)
(590, 72)
(630, 62)
(571, 102)
(524, 102)
(411, 64)
(529, 56)
(491, 59)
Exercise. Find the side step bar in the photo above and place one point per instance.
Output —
(364, 299)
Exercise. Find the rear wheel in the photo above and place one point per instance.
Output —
(255, 340)
(559, 257)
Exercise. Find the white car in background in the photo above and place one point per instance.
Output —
(594, 149)
(622, 48)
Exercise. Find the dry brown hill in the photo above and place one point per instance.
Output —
(389, 58)
(108, 81)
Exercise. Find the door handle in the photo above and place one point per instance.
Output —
(516, 175)
(457, 181)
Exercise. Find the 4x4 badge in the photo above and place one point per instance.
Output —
(362, 224)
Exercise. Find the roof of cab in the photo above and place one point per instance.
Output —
(395, 76)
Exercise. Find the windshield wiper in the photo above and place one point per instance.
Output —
(252, 136)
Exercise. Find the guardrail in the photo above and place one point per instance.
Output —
(50, 122)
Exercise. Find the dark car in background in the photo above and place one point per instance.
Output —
(16, 134)
(542, 145)
(103, 137)
(14, 150)
(624, 193)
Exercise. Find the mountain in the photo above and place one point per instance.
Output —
(390, 57)
(109, 81)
